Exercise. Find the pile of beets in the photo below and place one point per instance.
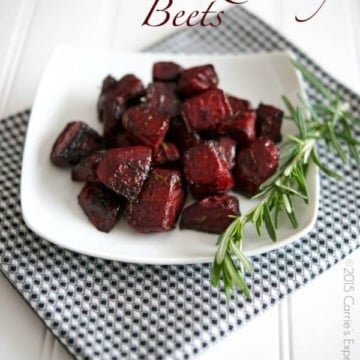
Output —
(180, 134)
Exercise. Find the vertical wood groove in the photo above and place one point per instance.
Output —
(14, 53)
(108, 17)
(290, 328)
(353, 7)
(47, 346)
(280, 14)
(285, 345)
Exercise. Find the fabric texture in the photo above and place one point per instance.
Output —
(109, 310)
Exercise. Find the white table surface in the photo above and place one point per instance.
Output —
(308, 324)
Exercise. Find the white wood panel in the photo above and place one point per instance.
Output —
(354, 8)
(55, 21)
(8, 10)
(21, 14)
(318, 314)
(285, 326)
(328, 37)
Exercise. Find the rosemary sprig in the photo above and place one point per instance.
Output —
(329, 121)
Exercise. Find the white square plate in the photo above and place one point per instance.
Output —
(69, 91)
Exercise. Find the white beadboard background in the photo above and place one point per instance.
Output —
(306, 325)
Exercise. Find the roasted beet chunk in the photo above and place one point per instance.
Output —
(239, 105)
(227, 148)
(76, 141)
(268, 122)
(85, 170)
(118, 140)
(128, 87)
(159, 202)
(101, 206)
(145, 126)
(108, 83)
(124, 170)
(168, 154)
(206, 171)
(181, 137)
(161, 97)
(197, 79)
(241, 127)
(205, 112)
(212, 214)
(255, 164)
(116, 96)
(166, 71)
(111, 109)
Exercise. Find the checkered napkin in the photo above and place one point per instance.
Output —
(109, 310)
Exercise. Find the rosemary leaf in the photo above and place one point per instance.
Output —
(312, 79)
(353, 143)
(277, 211)
(299, 179)
(233, 273)
(243, 259)
(215, 274)
(300, 122)
(289, 105)
(335, 143)
(295, 192)
(224, 239)
(287, 203)
(290, 212)
(269, 224)
(324, 168)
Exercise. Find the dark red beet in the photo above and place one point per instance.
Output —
(107, 83)
(212, 214)
(101, 206)
(124, 170)
(116, 95)
(168, 154)
(118, 140)
(227, 148)
(206, 171)
(268, 122)
(76, 141)
(159, 203)
(255, 164)
(239, 105)
(182, 138)
(111, 109)
(128, 87)
(166, 71)
(241, 127)
(205, 112)
(161, 97)
(85, 170)
(197, 79)
(145, 126)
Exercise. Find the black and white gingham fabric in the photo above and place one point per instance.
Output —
(109, 310)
